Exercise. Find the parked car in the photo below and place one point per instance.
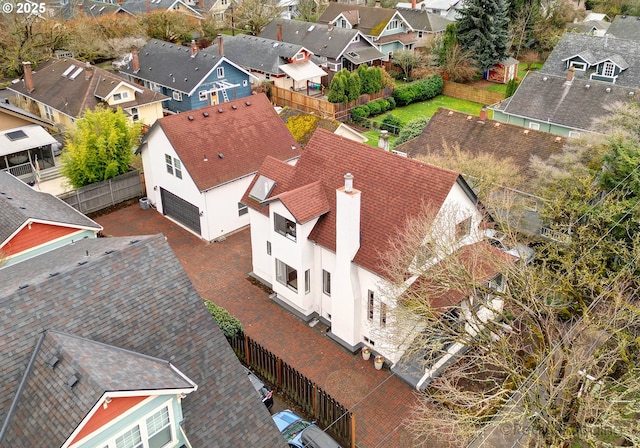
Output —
(300, 433)
(266, 394)
(497, 239)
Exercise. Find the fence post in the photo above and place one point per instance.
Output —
(353, 430)
(279, 373)
(315, 401)
(113, 201)
(78, 201)
(246, 350)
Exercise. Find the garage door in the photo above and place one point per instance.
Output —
(180, 210)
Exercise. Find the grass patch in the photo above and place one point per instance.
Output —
(372, 136)
(428, 108)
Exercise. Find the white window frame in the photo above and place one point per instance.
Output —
(143, 429)
(242, 209)
(220, 72)
(173, 165)
(48, 112)
(581, 66)
(393, 24)
(307, 281)
(534, 126)
(284, 275)
(326, 283)
(168, 162)
(135, 113)
(202, 95)
(177, 96)
(608, 67)
(284, 226)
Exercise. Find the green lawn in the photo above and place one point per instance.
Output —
(428, 108)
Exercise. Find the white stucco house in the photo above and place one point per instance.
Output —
(318, 230)
(198, 164)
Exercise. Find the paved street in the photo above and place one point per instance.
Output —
(379, 400)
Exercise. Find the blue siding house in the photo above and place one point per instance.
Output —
(191, 78)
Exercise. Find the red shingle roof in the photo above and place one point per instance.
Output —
(306, 202)
(235, 137)
(393, 189)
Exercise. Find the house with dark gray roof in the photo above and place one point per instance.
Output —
(108, 341)
(337, 47)
(580, 79)
(625, 27)
(189, 77)
(427, 25)
(33, 222)
(288, 66)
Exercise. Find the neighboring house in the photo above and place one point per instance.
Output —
(189, 77)
(591, 27)
(288, 66)
(443, 8)
(12, 116)
(580, 79)
(198, 165)
(427, 25)
(319, 229)
(447, 129)
(32, 222)
(625, 27)
(74, 9)
(140, 7)
(385, 27)
(338, 48)
(504, 71)
(108, 344)
(26, 148)
(61, 90)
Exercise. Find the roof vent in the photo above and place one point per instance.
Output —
(25, 285)
(587, 86)
(293, 147)
(496, 125)
(190, 117)
(53, 274)
(608, 90)
(205, 114)
(632, 92)
(185, 79)
(220, 155)
(234, 107)
(53, 361)
(220, 111)
(469, 117)
(558, 139)
(133, 241)
(544, 78)
(526, 131)
(73, 380)
(248, 103)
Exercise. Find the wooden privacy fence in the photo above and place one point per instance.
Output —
(319, 106)
(315, 402)
(98, 196)
(471, 93)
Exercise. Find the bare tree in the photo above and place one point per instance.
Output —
(254, 15)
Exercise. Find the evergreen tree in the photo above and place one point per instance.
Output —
(483, 29)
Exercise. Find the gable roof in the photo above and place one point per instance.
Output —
(503, 140)
(15, 111)
(20, 204)
(90, 8)
(576, 105)
(393, 188)
(56, 86)
(421, 20)
(138, 7)
(625, 27)
(243, 131)
(132, 294)
(371, 21)
(172, 66)
(597, 49)
(319, 38)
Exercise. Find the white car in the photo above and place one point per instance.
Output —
(497, 239)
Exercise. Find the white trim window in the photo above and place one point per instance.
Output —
(534, 126)
(393, 24)
(284, 226)
(174, 166)
(48, 112)
(155, 431)
(608, 69)
(581, 66)
(220, 72)
(242, 209)
(120, 96)
(177, 95)
(286, 275)
(326, 282)
(135, 114)
(202, 95)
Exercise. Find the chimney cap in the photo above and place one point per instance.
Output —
(348, 183)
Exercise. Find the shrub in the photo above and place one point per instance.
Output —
(229, 325)
(396, 74)
(359, 113)
(403, 95)
(411, 130)
(374, 108)
(384, 104)
(301, 126)
(392, 103)
(419, 91)
(512, 85)
(391, 123)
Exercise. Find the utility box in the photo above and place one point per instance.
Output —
(144, 203)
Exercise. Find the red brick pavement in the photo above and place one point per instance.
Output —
(380, 401)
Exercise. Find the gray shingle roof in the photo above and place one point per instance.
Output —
(371, 21)
(172, 66)
(421, 20)
(548, 98)
(625, 27)
(131, 294)
(596, 48)
(321, 39)
(20, 204)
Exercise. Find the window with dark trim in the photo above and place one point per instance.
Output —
(370, 301)
(463, 228)
(242, 209)
(383, 314)
(284, 226)
(286, 275)
(326, 282)
(307, 281)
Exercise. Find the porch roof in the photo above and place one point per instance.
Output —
(362, 55)
(23, 138)
(301, 71)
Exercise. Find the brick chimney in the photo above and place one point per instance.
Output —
(570, 75)
(377, 4)
(147, 5)
(220, 47)
(413, 4)
(194, 48)
(201, 4)
(135, 61)
(28, 77)
(88, 71)
(483, 114)
(279, 33)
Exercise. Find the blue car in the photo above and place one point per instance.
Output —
(300, 433)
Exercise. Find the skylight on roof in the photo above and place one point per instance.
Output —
(16, 135)
(262, 188)
(311, 28)
(76, 73)
(69, 70)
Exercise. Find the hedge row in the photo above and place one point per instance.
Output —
(419, 91)
(372, 108)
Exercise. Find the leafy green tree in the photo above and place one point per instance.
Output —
(411, 130)
(370, 79)
(99, 147)
(339, 87)
(483, 29)
(445, 43)
(353, 86)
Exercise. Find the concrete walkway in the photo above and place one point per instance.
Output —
(380, 401)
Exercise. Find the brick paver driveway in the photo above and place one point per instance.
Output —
(379, 400)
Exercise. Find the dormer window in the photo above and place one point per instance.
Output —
(120, 96)
(393, 24)
(579, 66)
(608, 70)
(284, 226)
(299, 56)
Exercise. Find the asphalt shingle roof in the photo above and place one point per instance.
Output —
(21, 204)
(393, 188)
(421, 20)
(132, 294)
(242, 131)
(371, 21)
(625, 27)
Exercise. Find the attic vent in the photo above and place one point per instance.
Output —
(220, 155)
(197, 68)
(73, 380)
(53, 274)
(26, 285)
(248, 103)
(80, 263)
(53, 361)
(133, 241)
(190, 117)
(108, 251)
(185, 79)
(220, 111)
(205, 114)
